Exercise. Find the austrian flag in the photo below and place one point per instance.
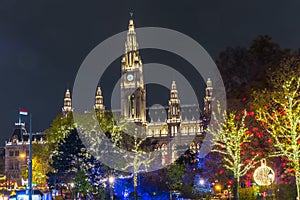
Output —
(23, 112)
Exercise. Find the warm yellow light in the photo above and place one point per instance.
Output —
(22, 155)
(264, 175)
(218, 187)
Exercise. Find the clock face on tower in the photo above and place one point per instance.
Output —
(130, 77)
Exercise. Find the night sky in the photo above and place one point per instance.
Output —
(42, 43)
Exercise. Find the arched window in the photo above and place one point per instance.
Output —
(174, 152)
(164, 153)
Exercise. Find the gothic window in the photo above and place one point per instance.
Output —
(174, 152)
(158, 132)
(11, 153)
(164, 147)
(163, 132)
(132, 105)
(192, 146)
(165, 158)
(16, 153)
(164, 154)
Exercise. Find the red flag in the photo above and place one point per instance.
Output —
(23, 112)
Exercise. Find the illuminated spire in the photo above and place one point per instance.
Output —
(133, 93)
(174, 112)
(99, 106)
(208, 97)
(174, 101)
(174, 92)
(131, 59)
(67, 103)
(131, 42)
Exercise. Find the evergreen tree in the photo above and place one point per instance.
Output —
(68, 158)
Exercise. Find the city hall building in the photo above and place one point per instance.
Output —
(181, 121)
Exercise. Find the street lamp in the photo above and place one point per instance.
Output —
(23, 166)
(271, 177)
(111, 181)
(22, 155)
(71, 189)
(25, 113)
(218, 188)
(201, 182)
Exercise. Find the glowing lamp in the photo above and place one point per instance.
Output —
(264, 175)
(201, 182)
(111, 179)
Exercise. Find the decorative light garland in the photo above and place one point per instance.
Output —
(264, 175)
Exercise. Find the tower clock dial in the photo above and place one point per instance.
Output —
(130, 77)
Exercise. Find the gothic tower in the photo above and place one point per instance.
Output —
(174, 112)
(133, 93)
(99, 106)
(208, 98)
(67, 104)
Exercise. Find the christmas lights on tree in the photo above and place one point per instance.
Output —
(279, 113)
(229, 139)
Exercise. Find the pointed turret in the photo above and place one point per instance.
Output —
(131, 42)
(208, 98)
(99, 106)
(174, 112)
(131, 59)
(67, 103)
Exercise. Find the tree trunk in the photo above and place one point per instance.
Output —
(135, 193)
(135, 183)
(170, 194)
(297, 176)
(236, 189)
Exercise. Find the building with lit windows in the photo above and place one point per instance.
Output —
(17, 153)
(181, 121)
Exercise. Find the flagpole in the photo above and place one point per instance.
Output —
(30, 159)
